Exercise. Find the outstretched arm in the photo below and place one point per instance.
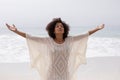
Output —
(14, 29)
(96, 29)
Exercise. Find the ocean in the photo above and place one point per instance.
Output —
(13, 48)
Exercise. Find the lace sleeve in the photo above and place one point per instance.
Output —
(37, 47)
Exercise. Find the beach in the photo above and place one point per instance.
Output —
(17, 71)
(97, 68)
(33, 16)
(103, 55)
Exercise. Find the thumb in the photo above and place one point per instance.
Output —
(13, 25)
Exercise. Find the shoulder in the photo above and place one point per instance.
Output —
(79, 36)
(36, 37)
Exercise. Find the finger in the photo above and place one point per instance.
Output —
(13, 25)
(7, 24)
(103, 24)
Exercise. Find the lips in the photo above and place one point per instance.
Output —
(60, 30)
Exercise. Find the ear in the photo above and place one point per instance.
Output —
(54, 31)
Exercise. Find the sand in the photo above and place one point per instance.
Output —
(98, 68)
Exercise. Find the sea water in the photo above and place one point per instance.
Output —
(13, 48)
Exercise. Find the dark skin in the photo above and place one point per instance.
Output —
(59, 30)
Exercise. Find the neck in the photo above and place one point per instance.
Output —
(59, 38)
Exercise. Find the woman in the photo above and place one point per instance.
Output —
(57, 57)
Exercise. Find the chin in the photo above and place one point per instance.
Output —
(59, 33)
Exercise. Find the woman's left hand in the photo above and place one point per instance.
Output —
(100, 26)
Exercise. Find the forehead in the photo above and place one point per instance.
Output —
(59, 23)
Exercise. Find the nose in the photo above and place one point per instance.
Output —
(59, 27)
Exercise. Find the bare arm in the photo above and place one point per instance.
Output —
(96, 29)
(14, 29)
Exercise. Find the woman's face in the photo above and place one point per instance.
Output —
(59, 29)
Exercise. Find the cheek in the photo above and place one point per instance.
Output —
(55, 30)
(63, 30)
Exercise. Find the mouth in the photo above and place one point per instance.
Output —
(60, 30)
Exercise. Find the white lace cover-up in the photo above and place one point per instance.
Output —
(57, 61)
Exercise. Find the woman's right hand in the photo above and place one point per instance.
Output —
(12, 28)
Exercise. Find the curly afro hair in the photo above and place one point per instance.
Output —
(51, 27)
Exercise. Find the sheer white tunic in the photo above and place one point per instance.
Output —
(56, 61)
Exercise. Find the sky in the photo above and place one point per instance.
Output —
(35, 13)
